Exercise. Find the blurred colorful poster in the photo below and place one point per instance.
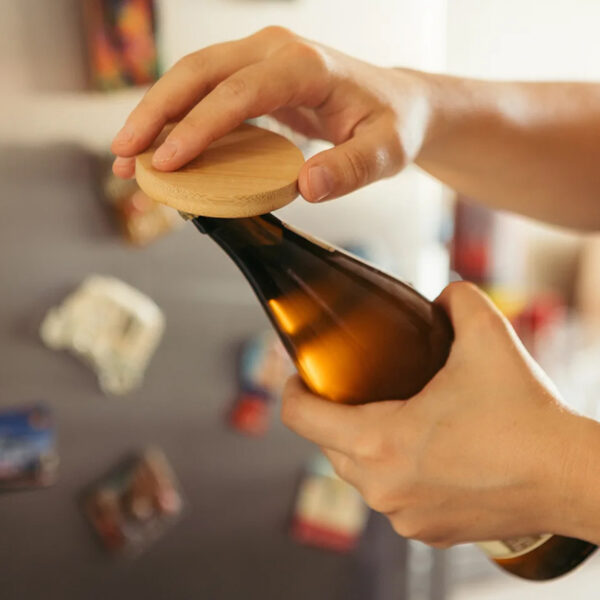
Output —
(121, 39)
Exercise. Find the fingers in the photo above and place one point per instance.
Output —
(464, 301)
(344, 466)
(372, 153)
(124, 167)
(255, 90)
(325, 423)
(181, 88)
(300, 119)
(474, 317)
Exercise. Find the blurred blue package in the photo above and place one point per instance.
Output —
(263, 368)
(28, 457)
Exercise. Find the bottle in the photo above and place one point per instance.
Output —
(358, 335)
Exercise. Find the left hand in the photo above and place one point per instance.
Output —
(484, 451)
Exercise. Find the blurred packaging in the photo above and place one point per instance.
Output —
(28, 457)
(121, 41)
(141, 219)
(472, 244)
(534, 316)
(111, 326)
(329, 513)
(263, 368)
(134, 503)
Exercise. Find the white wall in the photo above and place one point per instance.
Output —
(390, 32)
(401, 214)
(527, 40)
(524, 39)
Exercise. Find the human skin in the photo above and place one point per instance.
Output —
(486, 450)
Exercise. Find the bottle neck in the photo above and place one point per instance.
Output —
(263, 229)
(255, 244)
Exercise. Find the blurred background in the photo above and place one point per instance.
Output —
(178, 429)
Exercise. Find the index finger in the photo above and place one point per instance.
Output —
(181, 87)
(289, 76)
(329, 424)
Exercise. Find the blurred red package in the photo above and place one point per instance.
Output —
(329, 513)
(134, 503)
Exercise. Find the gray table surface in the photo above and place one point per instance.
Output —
(231, 543)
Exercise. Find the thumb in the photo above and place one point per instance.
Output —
(474, 315)
(363, 159)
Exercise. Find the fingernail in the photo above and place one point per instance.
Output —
(165, 152)
(320, 183)
(124, 136)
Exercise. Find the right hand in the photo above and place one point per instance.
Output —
(376, 117)
(484, 451)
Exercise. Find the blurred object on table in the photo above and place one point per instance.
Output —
(121, 41)
(134, 503)
(140, 218)
(111, 326)
(28, 457)
(329, 513)
(263, 367)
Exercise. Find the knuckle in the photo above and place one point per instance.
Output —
(436, 536)
(371, 446)
(301, 49)
(233, 88)
(275, 32)
(379, 500)
(359, 166)
(342, 466)
(405, 527)
(418, 528)
(192, 62)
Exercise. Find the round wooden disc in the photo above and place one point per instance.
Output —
(248, 172)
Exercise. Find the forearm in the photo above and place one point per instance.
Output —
(576, 510)
(531, 148)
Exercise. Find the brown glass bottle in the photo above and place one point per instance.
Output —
(358, 335)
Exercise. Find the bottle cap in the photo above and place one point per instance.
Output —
(250, 171)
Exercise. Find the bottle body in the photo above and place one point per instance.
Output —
(355, 334)
(539, 557)
(358, 335)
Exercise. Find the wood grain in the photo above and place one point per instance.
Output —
(250, 171)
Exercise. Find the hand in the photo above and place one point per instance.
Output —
(376, 117)
(484, 451)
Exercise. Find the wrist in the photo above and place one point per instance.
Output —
(457, 109)
(439, 94)
(416, 109)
